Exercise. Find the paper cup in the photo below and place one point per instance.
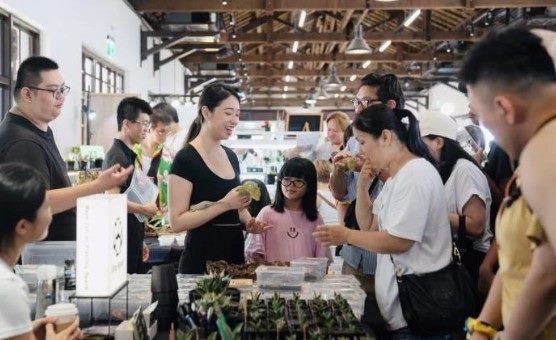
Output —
(65, 314)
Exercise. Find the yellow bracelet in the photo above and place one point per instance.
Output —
(475, 325)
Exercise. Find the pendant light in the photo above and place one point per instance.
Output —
(321, 92)
(358, 45)
(333, 82)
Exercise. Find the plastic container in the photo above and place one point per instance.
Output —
(49, 252)
(65, 314)
(313, 267)
(279, 277)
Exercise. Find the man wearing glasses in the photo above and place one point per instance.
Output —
(374, 89)
(134, 122)
(25, 136)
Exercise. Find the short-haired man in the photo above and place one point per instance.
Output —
(133, 125)
(26, 137)
(511, 81)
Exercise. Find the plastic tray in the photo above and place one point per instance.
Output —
(314, 268)
(279, 277)
(49, 252)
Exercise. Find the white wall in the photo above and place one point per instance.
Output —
(66, 26)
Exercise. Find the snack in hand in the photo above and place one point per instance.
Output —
(349, 163)
(250, 189)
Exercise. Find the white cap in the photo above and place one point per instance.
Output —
(437, 123)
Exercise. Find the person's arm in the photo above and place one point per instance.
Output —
(31, 154)
(475, 217)
(380, 242)
(488, 268)
(492, 309)
(181, 218)
(363, 203)
(338, 182)
(535, 305)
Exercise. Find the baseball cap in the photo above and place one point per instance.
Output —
(437, 123)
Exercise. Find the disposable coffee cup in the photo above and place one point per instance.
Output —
(65, 314)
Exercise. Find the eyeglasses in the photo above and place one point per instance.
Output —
(287, 181)
(364, 102)
(58, 93)
(143, 123)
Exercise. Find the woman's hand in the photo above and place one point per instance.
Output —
(71, 333)
(235, 201)
(146, 252)
(331, 235)
(39, 330)
(254, 226)
(367, 174)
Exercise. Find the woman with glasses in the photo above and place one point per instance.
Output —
(203, 186)
(294, 216)
(153, 156)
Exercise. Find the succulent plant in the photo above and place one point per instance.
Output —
(214, 283)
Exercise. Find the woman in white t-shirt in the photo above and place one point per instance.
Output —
(410, 219)
(467, 189)
(26, 215)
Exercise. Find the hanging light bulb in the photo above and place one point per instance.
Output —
(321, 92)
(311, 99)
(333, 81)
(358, 45)
(353, 77)
(384, 45)
(366, 64)
(295, 46)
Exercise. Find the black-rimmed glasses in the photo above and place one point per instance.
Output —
(287, 181)
(56, 93)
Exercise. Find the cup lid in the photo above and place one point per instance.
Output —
(61, 309)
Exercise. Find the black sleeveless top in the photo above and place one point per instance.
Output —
(222, 237)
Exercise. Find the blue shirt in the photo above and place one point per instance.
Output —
(352, 255)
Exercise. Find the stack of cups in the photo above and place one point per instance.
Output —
(65, 314)
(164, 287)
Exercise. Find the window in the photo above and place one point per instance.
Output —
(99, 76)
(18, 41)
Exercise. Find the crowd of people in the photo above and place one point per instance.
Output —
(419, 220)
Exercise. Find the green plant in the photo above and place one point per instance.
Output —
(276, 305)
(316, 334)
(279, 325)
(188, 334)
(214, 283)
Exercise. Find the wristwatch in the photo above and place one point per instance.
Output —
(475, 325)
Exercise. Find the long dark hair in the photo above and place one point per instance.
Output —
(376, 118)
(22, 192)
(256, 206)
(449, 155)
(211, 97)
(299, 168)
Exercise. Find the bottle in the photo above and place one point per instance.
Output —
(46, 288)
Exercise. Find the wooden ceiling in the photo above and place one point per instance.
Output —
(250, 42)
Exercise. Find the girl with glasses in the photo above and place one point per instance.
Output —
(294, 217)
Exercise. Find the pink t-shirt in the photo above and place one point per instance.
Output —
(290, 238)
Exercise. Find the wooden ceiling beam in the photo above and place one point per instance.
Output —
(201, 58)
(280, 73)
(344, 37)
(326, 5)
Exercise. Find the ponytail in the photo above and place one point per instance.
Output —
(411, 135)
(194, 130)
(376, 118)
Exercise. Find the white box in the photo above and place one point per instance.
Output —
(101, 258)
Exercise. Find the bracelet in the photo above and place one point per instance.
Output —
(475, 325)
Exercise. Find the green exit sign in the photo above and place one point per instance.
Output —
(110, 46)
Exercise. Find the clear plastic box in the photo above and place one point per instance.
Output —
(313, 267)
(49, 252)
(279, 277)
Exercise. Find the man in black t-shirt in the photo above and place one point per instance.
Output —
(133, 125)
(25, 136)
